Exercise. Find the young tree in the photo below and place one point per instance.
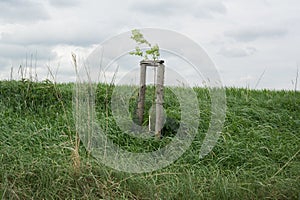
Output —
(153, 52)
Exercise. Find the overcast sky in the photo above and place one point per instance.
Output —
(247, 40)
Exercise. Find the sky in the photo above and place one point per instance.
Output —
(253, 44)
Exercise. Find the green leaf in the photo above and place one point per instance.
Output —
(139, 38)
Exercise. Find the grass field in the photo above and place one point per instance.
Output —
(256, 157)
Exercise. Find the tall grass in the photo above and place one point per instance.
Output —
(256, 157)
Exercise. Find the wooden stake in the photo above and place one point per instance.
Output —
(142, 92)
(159, 92)
(159, 100)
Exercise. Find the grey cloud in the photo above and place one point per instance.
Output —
(56, 33)
(237, 51)
(3, 63)
(64, 3)
(18, 52)
(213, 7)
(153, 7)
(12, 56)
(254, 33)
(201, 9)
(16, 11)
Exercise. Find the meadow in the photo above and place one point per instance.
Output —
(256, 157)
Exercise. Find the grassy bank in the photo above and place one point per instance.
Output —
(257, 155)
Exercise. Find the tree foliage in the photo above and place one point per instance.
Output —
(153, 52)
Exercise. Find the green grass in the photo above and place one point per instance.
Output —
(256, 157)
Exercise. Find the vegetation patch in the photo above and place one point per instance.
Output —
(256, 157)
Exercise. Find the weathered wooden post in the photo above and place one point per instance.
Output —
(142, 93)
(159, 99)
(159, 93)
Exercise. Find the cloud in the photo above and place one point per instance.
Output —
(255, 33)
(3, 63)
(54, 29)
(64, 3)
(53, 33)
(18, 11)
(9, 51)
(237, 51)
(199, 9)
(16, 55)
(35, 56)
